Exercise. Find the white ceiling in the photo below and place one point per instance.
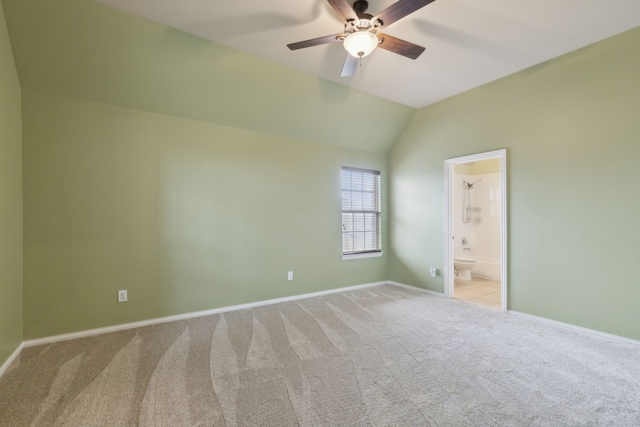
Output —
(468, 42)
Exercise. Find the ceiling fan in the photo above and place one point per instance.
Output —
(361, 37)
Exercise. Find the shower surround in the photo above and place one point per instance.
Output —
(479, 223)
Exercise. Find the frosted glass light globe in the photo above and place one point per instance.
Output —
(360, 43)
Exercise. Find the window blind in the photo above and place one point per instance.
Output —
(360, 211)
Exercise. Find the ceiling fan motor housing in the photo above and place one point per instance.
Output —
(364, 21)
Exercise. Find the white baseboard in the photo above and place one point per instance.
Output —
(125, 326)
(482, 276)
(415, 288)
(11, 358)
(539, 319)
(574, 328)
(132, 325)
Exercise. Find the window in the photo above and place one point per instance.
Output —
(360, 213)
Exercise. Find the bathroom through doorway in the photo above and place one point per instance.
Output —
(475, 229)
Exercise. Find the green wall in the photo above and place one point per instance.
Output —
(572, 134)
(191, 174)
(10, 200)
(196, 176)
(185, 215)
(82, 49)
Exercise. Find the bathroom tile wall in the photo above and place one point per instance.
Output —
(483, 232)
(461, 230)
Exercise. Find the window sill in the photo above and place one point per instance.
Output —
(365, 255)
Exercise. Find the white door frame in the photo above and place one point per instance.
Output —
(448, 219)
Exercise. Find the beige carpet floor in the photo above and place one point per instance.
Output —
(383, 356)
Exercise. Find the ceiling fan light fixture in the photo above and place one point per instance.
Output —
(360, 43)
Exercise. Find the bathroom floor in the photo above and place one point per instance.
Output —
(478, 290)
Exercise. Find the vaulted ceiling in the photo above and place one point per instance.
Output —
(468, 42)
(226, 61)
(85, 50)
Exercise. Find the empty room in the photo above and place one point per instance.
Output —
(223, 213)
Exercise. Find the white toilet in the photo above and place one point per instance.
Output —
(463, 267)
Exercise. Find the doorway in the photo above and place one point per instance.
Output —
(476, 228)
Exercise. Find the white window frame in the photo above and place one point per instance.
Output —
(364, 252)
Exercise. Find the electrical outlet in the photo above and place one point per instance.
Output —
(434, 271)
(122, 295)
(290, 275)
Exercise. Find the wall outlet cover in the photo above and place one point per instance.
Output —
(122, 295)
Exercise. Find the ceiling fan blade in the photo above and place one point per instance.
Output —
(349, 67)
(343, 9)
(399, 46)
(399, 10)
(315, 42)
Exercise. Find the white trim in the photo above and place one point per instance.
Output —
(362, 255)
(447, 271)
(504, 242)
(415, 288)
(98, 331)
(132, 325)
(574, 328)
(448, 226)
(11, 358)
(482, 276)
